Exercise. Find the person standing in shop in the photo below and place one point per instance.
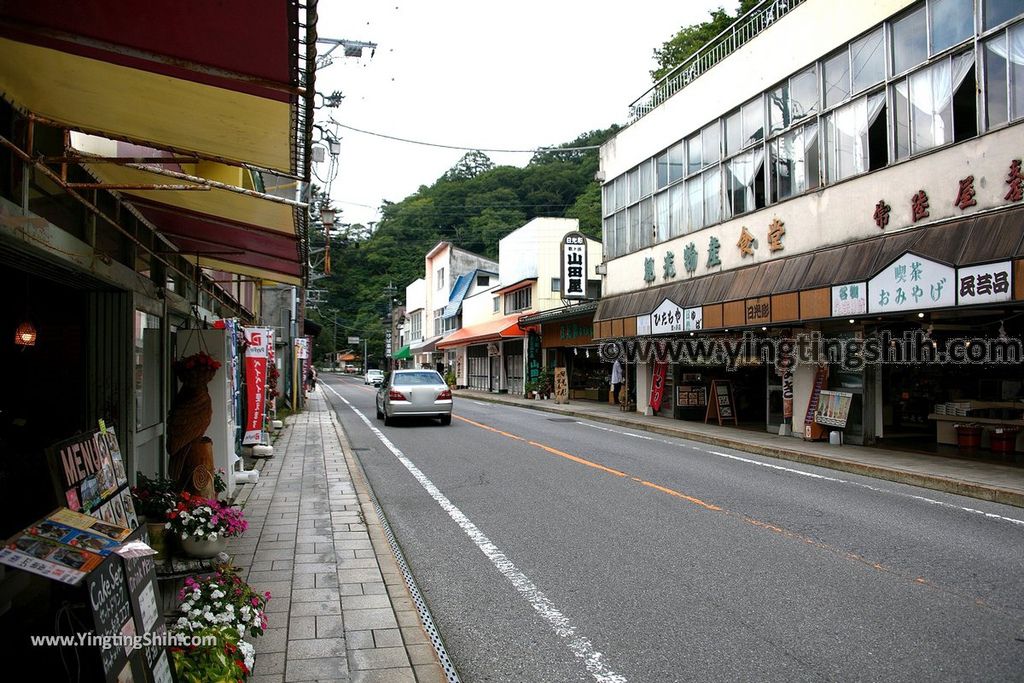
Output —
(616, 379)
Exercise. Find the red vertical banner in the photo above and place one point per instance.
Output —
(658, 385)
(257, 341)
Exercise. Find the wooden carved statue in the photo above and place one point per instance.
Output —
(191, 453)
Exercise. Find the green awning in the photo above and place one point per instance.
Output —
(402, 353)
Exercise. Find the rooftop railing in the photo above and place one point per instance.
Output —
(742, 31)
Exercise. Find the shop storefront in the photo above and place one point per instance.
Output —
(566, 340)
(846, 302)
(494, 353)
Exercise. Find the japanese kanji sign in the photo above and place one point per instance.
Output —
(574, 266)
(984, 284)
(851, 299)
(910, 283)
(256, 382)
(667, 318)
(693, 319)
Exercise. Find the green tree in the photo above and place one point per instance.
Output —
(689, 39)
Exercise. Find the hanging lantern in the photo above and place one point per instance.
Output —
(25, 335)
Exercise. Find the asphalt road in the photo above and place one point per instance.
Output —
(551, 549)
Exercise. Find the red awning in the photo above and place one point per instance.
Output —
(493, 330)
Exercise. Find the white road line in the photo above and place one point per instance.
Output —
(480, 403)
(581, 647)
(812, 475)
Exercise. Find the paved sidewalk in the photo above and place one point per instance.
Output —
(340, 609)
(974, 478)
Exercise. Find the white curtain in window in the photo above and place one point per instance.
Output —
(1016, 36)
(695, 203)
(713, 196)
(677, 209)
(662, 221)
(647, 222)
(743, 172)
(931, 101)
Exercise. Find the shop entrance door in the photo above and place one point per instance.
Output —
(495, 373)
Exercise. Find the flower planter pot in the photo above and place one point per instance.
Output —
(968, 437)
(203, 547)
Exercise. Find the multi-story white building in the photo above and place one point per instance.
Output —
(492, 351)
(433, 303)
(848, 168)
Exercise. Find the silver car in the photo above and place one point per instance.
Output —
(414, 393)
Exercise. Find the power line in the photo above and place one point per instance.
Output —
(467, 149)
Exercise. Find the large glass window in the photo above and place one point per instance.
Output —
(711, 143)
(936, 106)
(855, 139)
(646, 178)
(794, 162)
(745, 182)
(793, 100)
(1004, 77)
(663, 223)
(909, 41)
(713, 196)
(675, 163)
(868, 58)
(646, 222)
(952, 22)
(694, 154)
(695, 203)
(677, 209)
(622, 244)
(634, 185)
(837, 78)
(662, 161)
(997, 12)
(518, 300)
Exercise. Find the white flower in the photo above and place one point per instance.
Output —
(199, 532)
(212, 536)
(194, 613)
(167, 526)
(209, 616)
(248, 651)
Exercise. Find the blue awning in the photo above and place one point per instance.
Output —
(458, 294)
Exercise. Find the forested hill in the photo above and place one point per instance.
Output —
(473, 205)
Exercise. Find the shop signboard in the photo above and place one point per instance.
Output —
(758, 310)
(691, 396)
(667, 318)
(574, 266)
(910, 283)
(301, 348)
(89, 476)
(787, 393)
(257, 339)
(984, 284)
(849, 299)
(643, 325)
(833, 408)
(561, 386)
(721, 404)
(693, 319)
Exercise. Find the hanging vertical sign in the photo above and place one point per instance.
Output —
(658, 385)
(574, 266)
(256, 339)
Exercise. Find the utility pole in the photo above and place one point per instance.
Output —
(390, 292)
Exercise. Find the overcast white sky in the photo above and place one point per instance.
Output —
(482, 75)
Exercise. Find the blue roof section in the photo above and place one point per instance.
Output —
(459, 290)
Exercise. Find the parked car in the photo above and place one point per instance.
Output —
(414, 393)
(374, 377)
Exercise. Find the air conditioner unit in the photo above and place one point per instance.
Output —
(599, 176)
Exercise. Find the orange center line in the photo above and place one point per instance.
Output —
(767, 526)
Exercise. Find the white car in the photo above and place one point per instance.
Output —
(374, 377)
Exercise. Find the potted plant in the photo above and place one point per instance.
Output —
(153, 498)
(222, 598)
(544, 384)
(450, 379)
(203, 525)
(222, 656)
(968, 435)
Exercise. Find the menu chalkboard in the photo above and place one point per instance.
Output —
(720, 403)
(111, 610)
